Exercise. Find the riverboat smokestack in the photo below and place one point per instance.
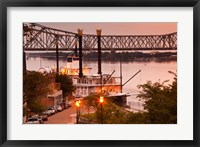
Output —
(75, 51)
(57, 56)
(99, 49)
(80, 34)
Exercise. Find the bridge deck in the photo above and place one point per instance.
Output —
(40, 38)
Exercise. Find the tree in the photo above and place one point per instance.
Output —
(92, 100)
(111, 113)
(161, 102)
(66, 84)
(35, 87)
(137, 118)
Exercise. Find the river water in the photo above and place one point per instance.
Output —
(150, 71)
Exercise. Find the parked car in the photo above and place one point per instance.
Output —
(63, 105)
(33, 120)
(58, 108)
(68, 104)
(51, 110)
(39, 118)
(47, 112)
(44, 116)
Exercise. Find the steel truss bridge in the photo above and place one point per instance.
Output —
(40, 38)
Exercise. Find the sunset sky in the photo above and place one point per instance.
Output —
(121, 28)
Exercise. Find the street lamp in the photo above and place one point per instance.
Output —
(101, 102)
(77, 110)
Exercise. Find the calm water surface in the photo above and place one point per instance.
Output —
(150, 71)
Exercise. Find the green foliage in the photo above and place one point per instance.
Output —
(137, 118)
(66, 84)
(161, 102)
(92, 100)
(111, 113)
(36, 106)
(35, 87)
(90, 117)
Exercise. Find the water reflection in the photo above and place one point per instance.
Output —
(150, 71)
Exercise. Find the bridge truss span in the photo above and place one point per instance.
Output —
(40, 38)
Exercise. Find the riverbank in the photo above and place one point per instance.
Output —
(114, 56)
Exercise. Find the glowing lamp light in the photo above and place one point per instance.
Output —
(77, 104)
(62, 71)
(101, 99)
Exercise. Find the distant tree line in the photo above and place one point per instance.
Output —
(114, 56)
(131, 56)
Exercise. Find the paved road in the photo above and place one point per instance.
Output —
(64, 117)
